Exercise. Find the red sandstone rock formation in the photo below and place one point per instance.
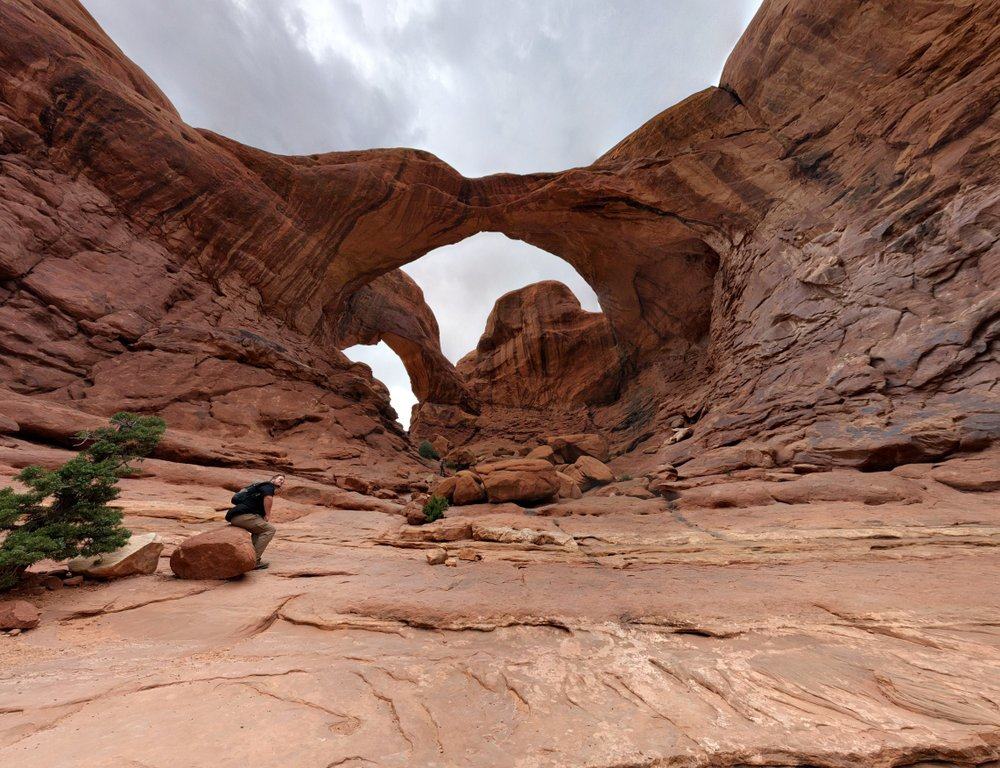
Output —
(391, 308)
(806, 254)
(541, 349)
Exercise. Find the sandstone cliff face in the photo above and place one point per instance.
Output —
(100, 311)
(807, 254)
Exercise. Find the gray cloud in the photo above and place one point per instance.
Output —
(243, 69)
(488, 86)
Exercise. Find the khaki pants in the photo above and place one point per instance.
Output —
(261, 531)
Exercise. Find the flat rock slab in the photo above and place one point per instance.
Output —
(140, 556)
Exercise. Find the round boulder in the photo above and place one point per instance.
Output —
(468, 489)
(220, 554)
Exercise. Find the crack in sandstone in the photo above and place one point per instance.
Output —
(391, 705)
(636, 696)
(107, 610)
(348, 725)
(267, 622)
(129, 690)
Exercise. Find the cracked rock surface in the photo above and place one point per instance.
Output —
(822, 634)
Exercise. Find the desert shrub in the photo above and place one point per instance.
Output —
(625, 478)
(434, 508)
(427, 451)
(64, 512)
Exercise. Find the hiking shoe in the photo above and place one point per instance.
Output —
(262, 566)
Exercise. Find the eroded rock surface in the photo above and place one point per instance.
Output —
(828, 633)
(541, 349)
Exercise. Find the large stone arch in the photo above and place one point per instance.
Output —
(651, 267)
(805, 251)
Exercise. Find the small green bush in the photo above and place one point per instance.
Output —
(65, 513)
(625, 478)
(435, 507)
(427, 451)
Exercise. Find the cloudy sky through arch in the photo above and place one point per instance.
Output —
(487, 85)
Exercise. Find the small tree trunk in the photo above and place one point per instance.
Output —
(10, 575)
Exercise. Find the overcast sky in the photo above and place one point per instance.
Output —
(487, 85)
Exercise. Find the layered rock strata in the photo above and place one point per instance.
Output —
(808, 252)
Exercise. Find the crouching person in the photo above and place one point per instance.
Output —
(252, 510)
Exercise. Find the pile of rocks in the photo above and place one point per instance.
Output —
(140, 555)
(561, 467)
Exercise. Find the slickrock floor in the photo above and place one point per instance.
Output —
(821, 634)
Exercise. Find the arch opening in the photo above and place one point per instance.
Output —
(412, 327)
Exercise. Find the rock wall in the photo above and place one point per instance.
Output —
(806, 255)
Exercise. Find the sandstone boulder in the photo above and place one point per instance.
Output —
(446, 529)
(568, 448)
(220, 554)
(18, 614)
(510, 532)
(568, 487)
(437, 556)
(519, 480)
(356, 484)
(140, 556)
(976, 474)
(445, 488)
(542, 452)
(461, 458)
(52, 582)
(441, 444)
(588, 473)
(468, 489)
(414, 509)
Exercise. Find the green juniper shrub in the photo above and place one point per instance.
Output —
(434, 508)
(64, 512)
(427, 451)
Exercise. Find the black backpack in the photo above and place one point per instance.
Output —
(245, 496)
